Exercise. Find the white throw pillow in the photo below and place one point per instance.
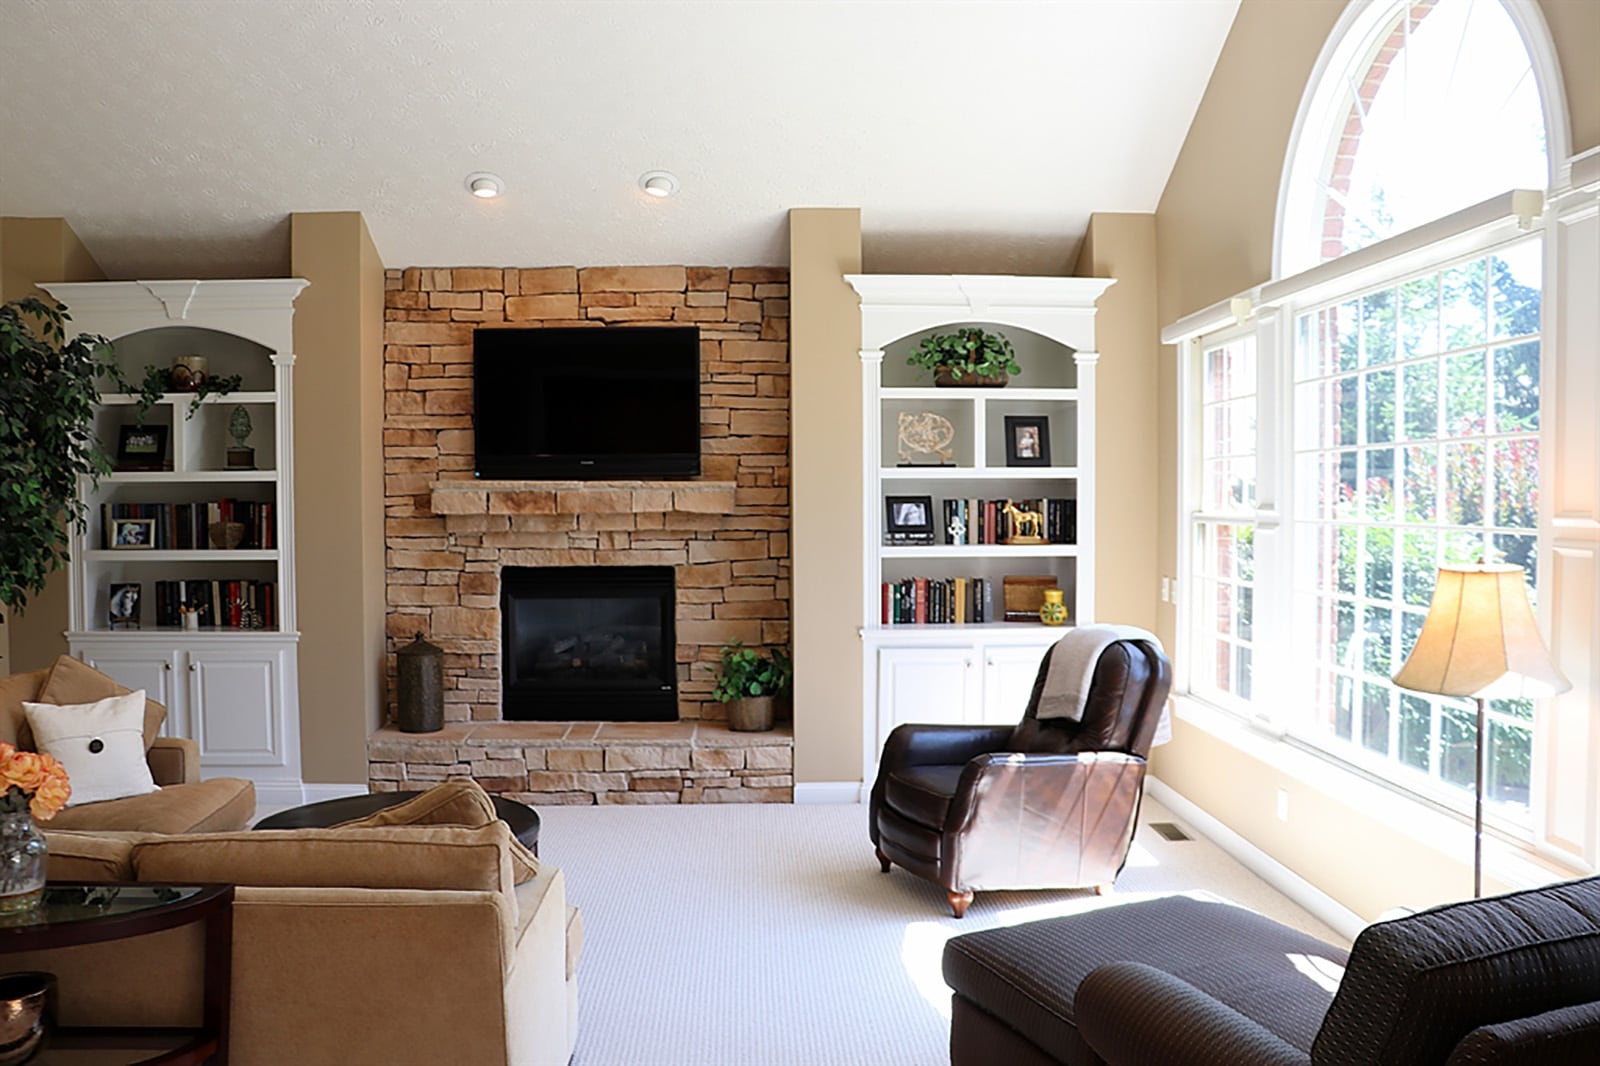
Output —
(101, 745)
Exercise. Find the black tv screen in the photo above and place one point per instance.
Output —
(599, 403)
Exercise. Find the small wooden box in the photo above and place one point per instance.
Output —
(1024, 595)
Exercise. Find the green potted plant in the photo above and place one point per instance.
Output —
(970, 356)
(47, 441)
(748, 682)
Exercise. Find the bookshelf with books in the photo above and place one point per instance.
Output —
(967, 487)
(183, 582)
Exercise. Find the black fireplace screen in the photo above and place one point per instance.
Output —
(588, 643)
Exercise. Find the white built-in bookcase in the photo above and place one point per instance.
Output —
(971, 672)
(235, 691)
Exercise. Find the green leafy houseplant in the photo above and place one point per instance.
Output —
(157, 381)
(967, 356)
(748, 674)
(48, 391)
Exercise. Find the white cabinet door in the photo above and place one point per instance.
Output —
(933, 685)
(1008, 674)
(151, 669)
(235, 700)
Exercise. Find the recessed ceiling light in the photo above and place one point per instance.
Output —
(658, 183)
(484, 186)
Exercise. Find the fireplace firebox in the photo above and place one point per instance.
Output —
(588, 643)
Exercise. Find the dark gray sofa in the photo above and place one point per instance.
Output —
(1511, 980)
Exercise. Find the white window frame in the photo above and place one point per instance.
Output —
(1196, 512)
(1321, 105)
(1570, 326)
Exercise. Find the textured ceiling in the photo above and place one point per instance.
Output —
(177, 135)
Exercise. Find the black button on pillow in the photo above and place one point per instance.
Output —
(96, 746)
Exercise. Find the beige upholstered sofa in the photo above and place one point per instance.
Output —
(398, 945)
(185, 804)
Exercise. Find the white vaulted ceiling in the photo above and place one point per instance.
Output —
(176, 136)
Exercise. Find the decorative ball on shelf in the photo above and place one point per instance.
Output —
(188, 373)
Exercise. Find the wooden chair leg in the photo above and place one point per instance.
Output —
(959, 902)
(1104, 890)
(883, 860)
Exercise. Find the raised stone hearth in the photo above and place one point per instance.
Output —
(584, 763)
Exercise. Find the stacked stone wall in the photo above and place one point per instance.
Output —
(726, 534)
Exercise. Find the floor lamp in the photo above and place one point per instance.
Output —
(1480, 640)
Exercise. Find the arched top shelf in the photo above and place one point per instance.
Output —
(899, 305)
(258, 310)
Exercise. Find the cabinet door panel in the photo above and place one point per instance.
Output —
(933, 685)
(149, 670)
(234, 697)
(1008, 674)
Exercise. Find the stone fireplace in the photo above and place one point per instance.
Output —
(723, 537)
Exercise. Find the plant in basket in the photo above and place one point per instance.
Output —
(36, 786)
(969, 356)
(748, 682)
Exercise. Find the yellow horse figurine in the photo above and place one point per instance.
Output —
(1027, 527)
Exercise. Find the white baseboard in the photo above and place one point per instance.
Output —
(1323, 907)
(280, 794)
(316, 793)
(830, 792)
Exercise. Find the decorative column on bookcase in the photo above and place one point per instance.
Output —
(283, 375)
(1083, 608)
(871, 484)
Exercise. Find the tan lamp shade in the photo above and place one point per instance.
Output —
(1480, 639)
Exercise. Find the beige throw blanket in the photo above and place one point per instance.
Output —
(1073, 659)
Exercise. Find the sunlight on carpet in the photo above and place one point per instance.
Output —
(765, 935)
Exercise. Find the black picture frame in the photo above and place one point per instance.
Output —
(908, 519)
(132, 534)
(122, 605)
(1027, 440)
(142, 447)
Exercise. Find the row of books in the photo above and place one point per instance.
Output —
(221, 604)
(939, 601)
(987, 521)
(185, 526)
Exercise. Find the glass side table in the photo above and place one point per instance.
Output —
(87, 913)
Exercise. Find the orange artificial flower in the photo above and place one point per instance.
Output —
(38, 777)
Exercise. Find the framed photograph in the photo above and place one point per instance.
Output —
(142, 448)
(133, 532)
(909, 519)
(123, 612)
(1027, 440)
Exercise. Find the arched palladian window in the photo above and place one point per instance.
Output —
(1417, 109)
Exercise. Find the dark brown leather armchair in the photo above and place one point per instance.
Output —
(1047, 803)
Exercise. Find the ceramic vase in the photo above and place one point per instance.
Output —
(22, 860)
(1053, 612)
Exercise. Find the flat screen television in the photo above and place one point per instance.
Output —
(586, 403)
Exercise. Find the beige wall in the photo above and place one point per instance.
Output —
(34, 250)
(825, 456)
(1214, 232)
(338, 425)
(1123, 246)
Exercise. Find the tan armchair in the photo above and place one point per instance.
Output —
(185, 804)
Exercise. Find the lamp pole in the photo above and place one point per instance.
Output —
(1477, 806)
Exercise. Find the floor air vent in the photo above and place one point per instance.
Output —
(1170, 831)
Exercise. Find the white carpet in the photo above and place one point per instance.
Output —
(764, 935)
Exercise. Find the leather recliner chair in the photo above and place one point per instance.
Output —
(1047, 803)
